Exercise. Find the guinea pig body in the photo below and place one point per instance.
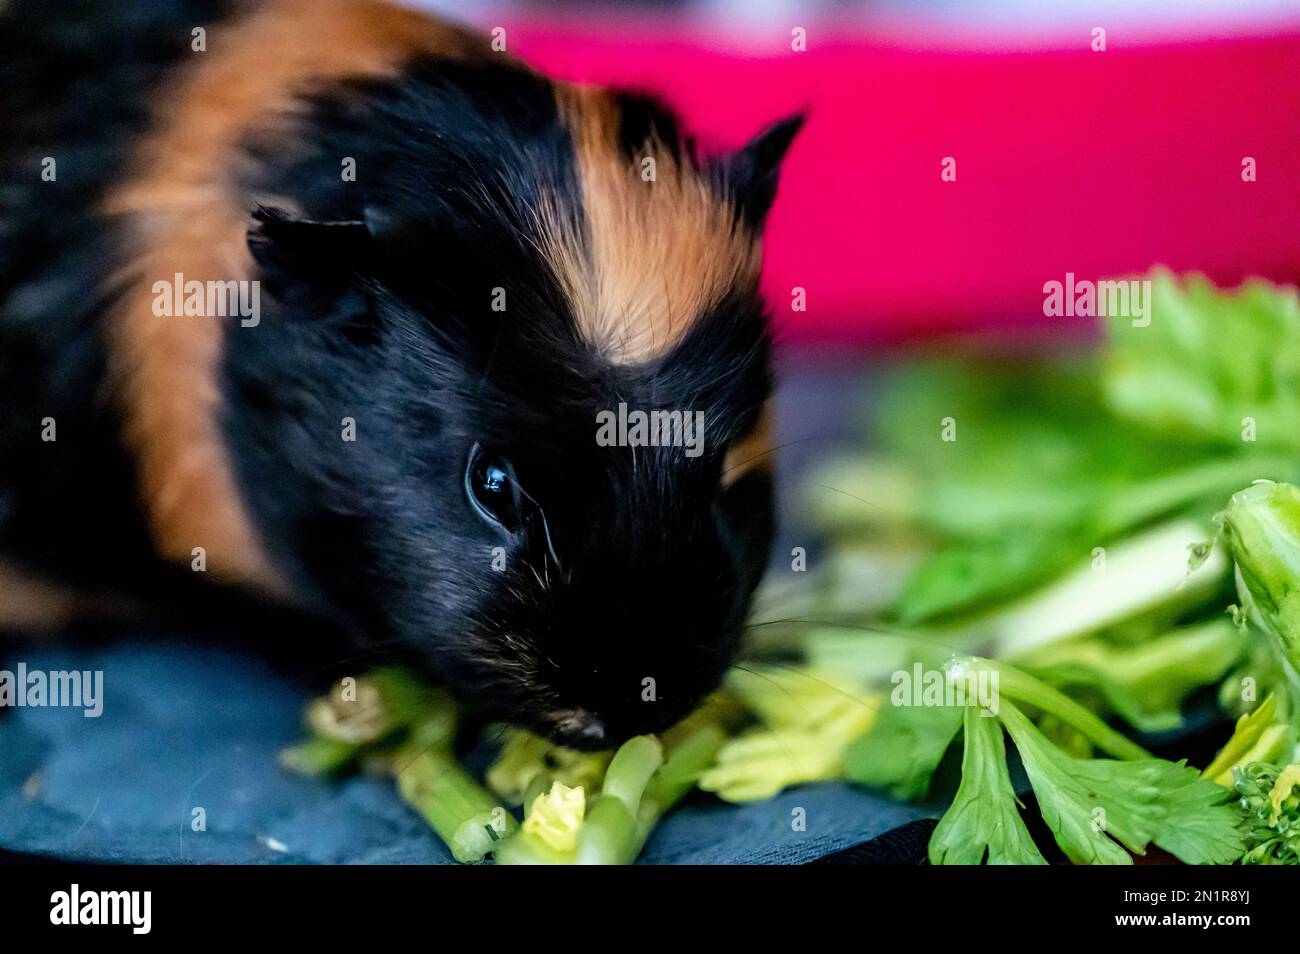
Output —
(341, 307)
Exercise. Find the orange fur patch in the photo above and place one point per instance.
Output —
(655, 254)
(186, 216)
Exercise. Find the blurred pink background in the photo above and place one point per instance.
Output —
(1067, 159)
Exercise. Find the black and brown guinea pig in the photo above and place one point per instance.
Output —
(326, 301)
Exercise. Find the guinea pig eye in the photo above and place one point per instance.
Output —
(491, 488)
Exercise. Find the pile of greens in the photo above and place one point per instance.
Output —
(578, 808)
(1072, 554)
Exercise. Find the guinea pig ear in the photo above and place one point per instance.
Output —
(750, 175)
(284, 244)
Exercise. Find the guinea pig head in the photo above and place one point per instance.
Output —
(570, 363)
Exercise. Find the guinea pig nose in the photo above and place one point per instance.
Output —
(581, 726)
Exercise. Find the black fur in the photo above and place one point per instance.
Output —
(377, 298)
(749, 177)
(70, 91)
(69, 510)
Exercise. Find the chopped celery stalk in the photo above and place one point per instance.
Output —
(1260, 736)
(1261, 526)
(319, 755)
(537, 786)
(968, 574)
(370, 708)
(685, 762)
(1023, 687)
(463, 813)
(629, 771)
(526, 848)
(555, 817)
(1141, 574)
(525, 757)
(855, 579)
(611, 833)
(1144, 683)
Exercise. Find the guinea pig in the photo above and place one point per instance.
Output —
(330, 301)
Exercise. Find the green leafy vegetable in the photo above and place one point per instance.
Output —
(1098, 807)
(1210, 361)
(1099, 810)
(1260, 736)
(1039, 528)
(1149, 573)
(983, 824)
(1062, 511)
(903, 748)
(1270, 808)
(1146, 683)
(809, 721)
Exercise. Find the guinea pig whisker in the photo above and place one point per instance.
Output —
(839, 690)
(763, 676)
(497, 736)
(492, 356)
(382, 647)
(857, 626)
(861, 500)
(842, 620)
(415, 758)
(788, 753)
(778, 447)
(546, 529)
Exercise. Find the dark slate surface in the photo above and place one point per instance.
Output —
(185, 728)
